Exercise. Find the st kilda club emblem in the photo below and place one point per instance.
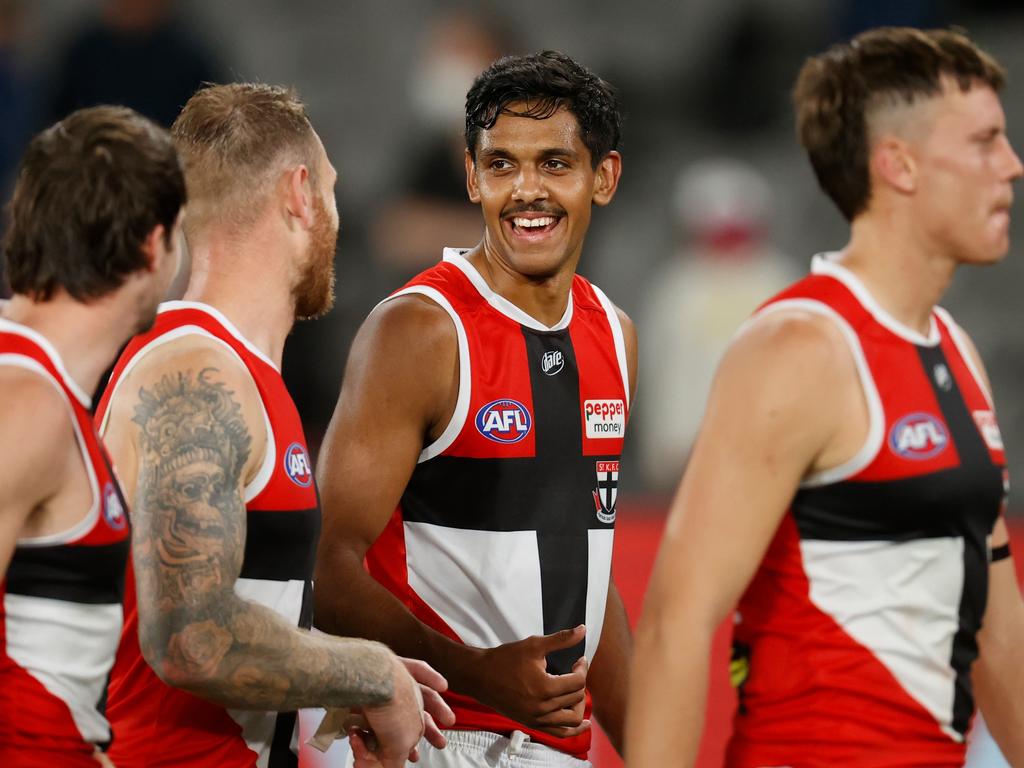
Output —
(607, 490)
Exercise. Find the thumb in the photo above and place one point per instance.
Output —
(567, 638)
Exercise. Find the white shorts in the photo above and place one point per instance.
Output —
(483, 749)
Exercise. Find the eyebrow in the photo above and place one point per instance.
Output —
(544, 153)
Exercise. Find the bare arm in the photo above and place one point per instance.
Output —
(35, 428)
(193, 419)
(999, 671)
(399, 392)
(608, 679)
(766, 425)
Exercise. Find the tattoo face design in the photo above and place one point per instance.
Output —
(194, 444)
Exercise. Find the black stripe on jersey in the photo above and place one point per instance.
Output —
(280, 546)
(91, 575)
(281, 755)
(562, 546)
(980, 505)
(306, 611)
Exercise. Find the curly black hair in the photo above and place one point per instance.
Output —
(542, 83)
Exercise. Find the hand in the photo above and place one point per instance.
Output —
(101, 758)
(514, 680)
(393, 730)
(436, 712)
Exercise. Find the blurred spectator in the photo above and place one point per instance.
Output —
(137, 53)
(723, 270)
(15, 94)
(433, 210)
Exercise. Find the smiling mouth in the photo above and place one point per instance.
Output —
(532, 227)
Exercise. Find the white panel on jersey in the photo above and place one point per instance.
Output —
(599, 570)
(282, 597)
(901, 601)
(484, 584)
(258, 732)
(69, 648)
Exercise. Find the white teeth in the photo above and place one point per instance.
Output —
(533, 223)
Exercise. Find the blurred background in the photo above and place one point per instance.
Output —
(717, 208)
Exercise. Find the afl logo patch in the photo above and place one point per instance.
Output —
(552, 362)
(113, 509)
(296, 465)
(503, 421)
(918, 436)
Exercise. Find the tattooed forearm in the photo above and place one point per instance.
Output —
(188, 544)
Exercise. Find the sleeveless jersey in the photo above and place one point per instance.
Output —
(61, 612)
(859, 629)
(155, 724)
(505, 528)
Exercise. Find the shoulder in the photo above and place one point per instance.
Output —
(792, 355)
(192, 375)
(411, 328)
(36, 426)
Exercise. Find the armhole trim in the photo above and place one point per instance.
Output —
(620, 342)
(458, 419)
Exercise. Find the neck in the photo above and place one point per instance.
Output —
(86, 336)
(257, 300)
(904, 272)
(543, 298)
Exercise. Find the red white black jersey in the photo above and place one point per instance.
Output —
(505, 528)
(155, 724)
(61, 614)
(860, 625)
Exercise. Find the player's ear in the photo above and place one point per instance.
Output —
(298, 195)
(151, 248)
(893, 164)
(471, 186)
(606, 178)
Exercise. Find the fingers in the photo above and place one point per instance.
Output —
(362, 756)
(425, 674)
(576, 680)
(566, 701)
(567, 638)
(432, 733)
(437, 707)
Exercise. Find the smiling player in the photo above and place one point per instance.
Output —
(474, 454)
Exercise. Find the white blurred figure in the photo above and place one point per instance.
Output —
(983, 752)
(724, 268)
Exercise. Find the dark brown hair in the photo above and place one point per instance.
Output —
(90, 190)
(233, 138)
(836, 91)
(545, 82)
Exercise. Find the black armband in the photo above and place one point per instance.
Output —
(1000, 553)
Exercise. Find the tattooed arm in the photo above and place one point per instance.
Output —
(188, 427)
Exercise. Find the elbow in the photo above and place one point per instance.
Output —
(187, 658)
